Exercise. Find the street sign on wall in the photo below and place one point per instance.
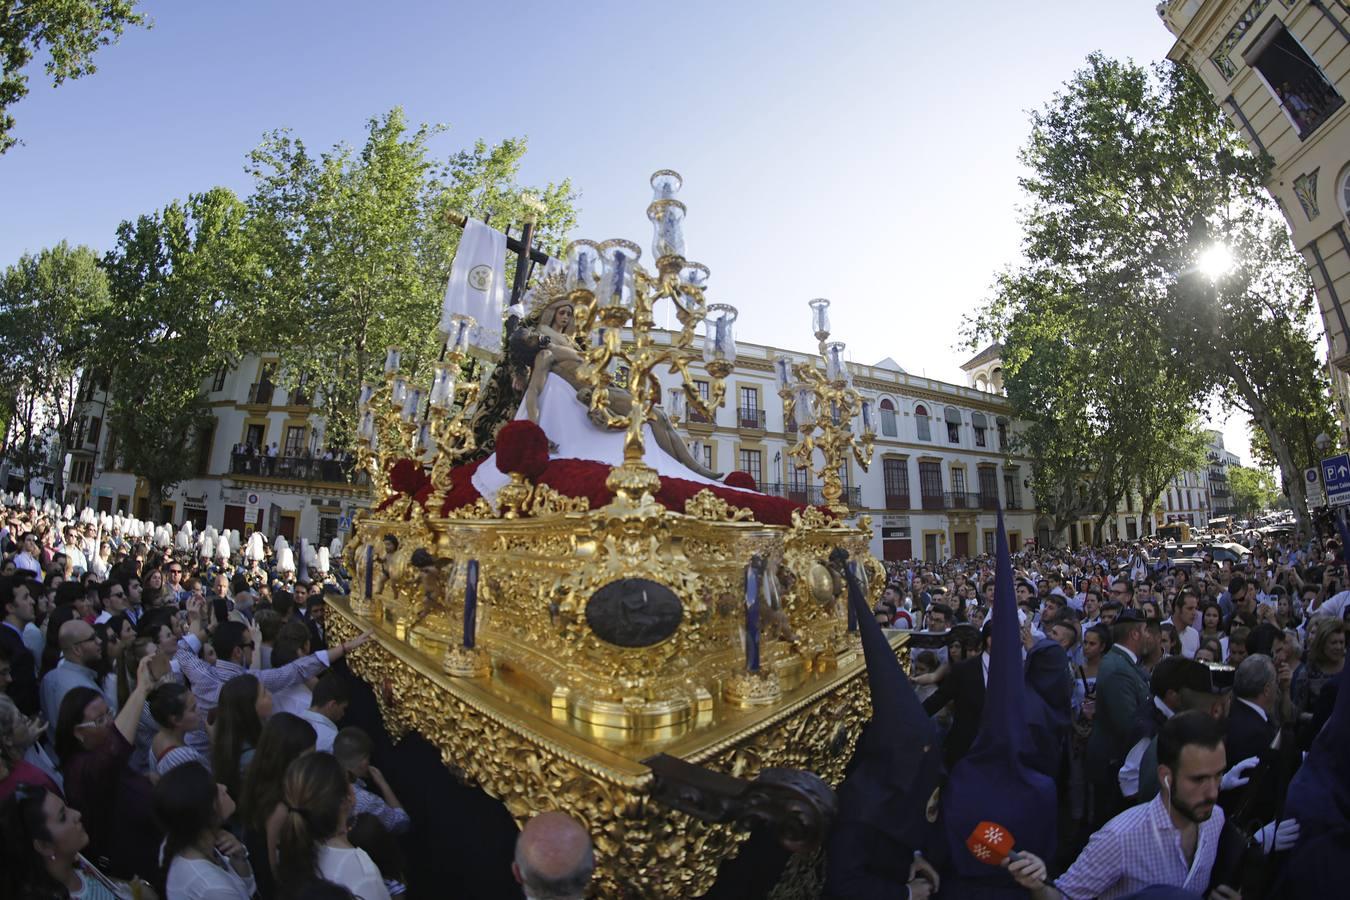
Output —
(1336, 478)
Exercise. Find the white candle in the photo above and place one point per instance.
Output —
(392, 357)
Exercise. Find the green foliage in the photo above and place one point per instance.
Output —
(50, 303)
(68, 31)
(181, 282)
(1134, 174)
(358, 247)
(1254, 490)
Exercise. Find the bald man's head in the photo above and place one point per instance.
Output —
(554, 859)
(77, 641)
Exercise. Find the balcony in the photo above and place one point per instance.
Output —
(299, 468)
(789, 425)
(749, 418)
(897, 501)
(811, 494)
(697, 418)
(297, 397)
(933, 501)
(1219, 492)
(960, 500)
(1013, 502)
(260, 393)
(989, 502)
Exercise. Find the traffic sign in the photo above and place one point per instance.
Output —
(1336, 477)
(1312, 487)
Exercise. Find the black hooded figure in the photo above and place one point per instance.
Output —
(897, 767)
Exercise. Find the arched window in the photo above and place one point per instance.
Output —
(888, 428)
(921, 422)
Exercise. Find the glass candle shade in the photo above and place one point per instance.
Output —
(364, 400)
(366, 430)
(865, 417)
(719, 338)
(617, 284)
(443, 387)
(805, 409)
(399, 392)
(675, 408)
(583, 262)
(392, 357)
(835, 367)
(458, 330)
(820, 317)
(782, 372)
(667, 218)
(666, 183)
(412, 403)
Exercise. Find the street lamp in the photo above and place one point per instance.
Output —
(1323, 442)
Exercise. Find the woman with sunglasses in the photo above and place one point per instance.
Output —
(95, 748)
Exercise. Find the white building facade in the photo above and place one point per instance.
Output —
(295, 493)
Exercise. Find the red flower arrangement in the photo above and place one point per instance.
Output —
(522, 447)
(740, 479)
(586, 478)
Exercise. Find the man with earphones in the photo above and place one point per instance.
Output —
(1172, 840)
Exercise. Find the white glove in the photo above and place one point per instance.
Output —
(1278, 835)
(1237, 776)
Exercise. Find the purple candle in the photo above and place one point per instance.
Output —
(470, 603)
(752, 618)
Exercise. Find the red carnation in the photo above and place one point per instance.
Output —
(743, 480)
(522, 447)
(407, 477)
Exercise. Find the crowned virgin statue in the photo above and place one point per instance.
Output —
(541, 370)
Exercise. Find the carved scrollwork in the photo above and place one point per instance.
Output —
(708, 506)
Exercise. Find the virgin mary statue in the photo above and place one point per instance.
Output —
(542, 361)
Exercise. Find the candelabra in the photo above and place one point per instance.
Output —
(394, 425)
(825, 406)
(611, 291)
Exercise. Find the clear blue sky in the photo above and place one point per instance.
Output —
(863, 151)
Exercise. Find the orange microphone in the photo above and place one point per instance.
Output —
(992, 843)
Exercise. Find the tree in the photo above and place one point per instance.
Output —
(1253, 490)
(50, 305)
(1134, 177)
(68, 31)
(182, 283)
(357, 246)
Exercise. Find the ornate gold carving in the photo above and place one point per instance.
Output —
(712, 508)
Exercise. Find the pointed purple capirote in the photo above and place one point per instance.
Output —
(992, 783)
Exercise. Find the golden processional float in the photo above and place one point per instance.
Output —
(665, 663)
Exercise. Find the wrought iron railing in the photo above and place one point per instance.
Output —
(298, 468)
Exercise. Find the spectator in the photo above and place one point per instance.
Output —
(369, 834)
(42, 839)
(174, 710)
(94, 748)
(19, 734)
(352, 749)
(80, 652)
(206, 861)
(1122, 687)
(244, 706)
(327, 707)
(1324, 660)
(313, 843)
(284, 738)
(18, 610)
(554, 858)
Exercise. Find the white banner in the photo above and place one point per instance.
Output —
(477, 284)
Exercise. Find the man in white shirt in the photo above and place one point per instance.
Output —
(71, 548)
(326, 709)
(1184, 613)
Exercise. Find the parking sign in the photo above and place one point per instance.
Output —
(1336, 477)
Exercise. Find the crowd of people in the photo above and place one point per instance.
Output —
(171, 720)
(1166, 702)
(169, 723)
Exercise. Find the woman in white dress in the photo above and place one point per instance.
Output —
(206, 862)
(318, 800)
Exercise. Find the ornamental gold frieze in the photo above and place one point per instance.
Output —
(487, 732)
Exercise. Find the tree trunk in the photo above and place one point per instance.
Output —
(1293, 478)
